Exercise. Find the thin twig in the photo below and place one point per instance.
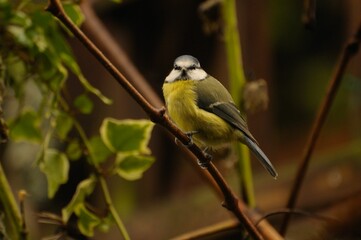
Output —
(112, 209)
(157, 116)
(237, 81)
(10, 208)
(298, 212)
(22, 195)
(99, 34)
(350, 50)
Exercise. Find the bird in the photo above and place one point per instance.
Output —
(204, 109)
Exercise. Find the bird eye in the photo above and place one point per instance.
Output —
(193, 67)
(177, 67)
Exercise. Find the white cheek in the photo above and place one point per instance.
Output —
(198, 74)
(172, 76)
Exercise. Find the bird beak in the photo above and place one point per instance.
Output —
(184, 72)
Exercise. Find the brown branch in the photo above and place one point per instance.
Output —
(95, 29)
(158, 116)
(350, 50)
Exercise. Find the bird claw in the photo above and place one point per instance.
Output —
(189, 135)
(204, 164)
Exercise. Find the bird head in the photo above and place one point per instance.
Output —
(186, 67)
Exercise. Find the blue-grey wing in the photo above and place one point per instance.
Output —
(213, 97)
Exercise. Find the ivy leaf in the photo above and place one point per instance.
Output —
(16, 71)
(126, 135)
(55, 166)
(51, 70)
(58, 79)
(64, 124)
(19, 35)
(98, 150)
(74, 13)
(84, 104)
(84, 189)
(26, 128)
(87, 220)
(74, 150)
(106, 222)
(132, 166)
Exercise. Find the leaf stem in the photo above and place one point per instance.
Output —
(112, 209)
(101, 179)
(9, 206)
(79, 128)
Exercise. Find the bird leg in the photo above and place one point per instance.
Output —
(204, 164)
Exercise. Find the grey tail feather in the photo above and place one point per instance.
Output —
(261, 156)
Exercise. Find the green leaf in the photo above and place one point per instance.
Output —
(64, 124)
(132, 166)
(26, 128)
(84, 189)
(19, 18)
(126, 135)
(98, 150)
(55, 166)
(74, 150)
(106, 223)
(74, 13)
(84, 104)
(19, 35)
(16, 69)
(57, 81)
(87, 220)
(51, 70)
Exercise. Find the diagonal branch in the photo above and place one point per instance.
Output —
(158, 116)
(350, 50)
(94, 29)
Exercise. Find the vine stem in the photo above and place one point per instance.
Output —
(351, 48)
(103, 184)
(158, 116)
(13, 220)
(237, 82)
(113, 211)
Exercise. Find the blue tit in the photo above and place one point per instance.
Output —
(199, 104)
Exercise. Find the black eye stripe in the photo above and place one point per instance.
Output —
(193, 67)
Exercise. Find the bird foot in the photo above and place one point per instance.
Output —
(204, 163)
(189, 135)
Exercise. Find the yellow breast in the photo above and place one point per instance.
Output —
(181, 101)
